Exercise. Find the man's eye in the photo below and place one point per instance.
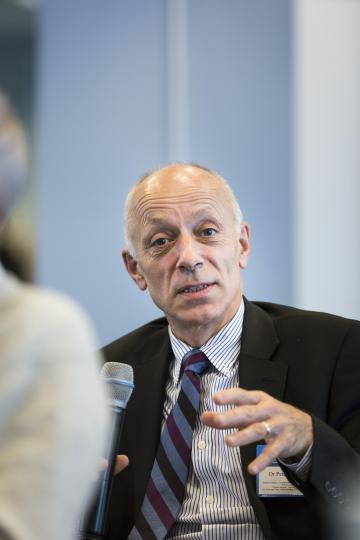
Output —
(209, 231)
(159, 242)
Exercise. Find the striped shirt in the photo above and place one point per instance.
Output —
(216, 504)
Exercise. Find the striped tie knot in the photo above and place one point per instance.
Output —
(194, 363)
(195, 360)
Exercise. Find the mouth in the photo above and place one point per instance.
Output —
(191, 289)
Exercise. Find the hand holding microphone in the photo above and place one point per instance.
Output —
(118, 379)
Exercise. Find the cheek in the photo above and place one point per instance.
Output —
(231, 259)
(156, 276)
(233, 271)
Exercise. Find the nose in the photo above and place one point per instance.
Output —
(189, 256)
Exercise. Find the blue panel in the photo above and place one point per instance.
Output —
(101, 125)
(240, 99)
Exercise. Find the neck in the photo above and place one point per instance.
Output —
(197, 335)
(194, 337)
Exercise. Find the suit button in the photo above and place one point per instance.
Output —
(328, 486)
(334, 492)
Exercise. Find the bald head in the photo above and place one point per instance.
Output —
(180, 178)
(13, 158)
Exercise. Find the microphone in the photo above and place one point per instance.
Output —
(118, 379)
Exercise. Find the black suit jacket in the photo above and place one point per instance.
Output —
(308, 359)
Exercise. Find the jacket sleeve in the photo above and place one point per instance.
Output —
(335, 467)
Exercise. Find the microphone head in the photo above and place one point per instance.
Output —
(119, 382)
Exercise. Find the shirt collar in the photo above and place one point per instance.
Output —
(221, 349)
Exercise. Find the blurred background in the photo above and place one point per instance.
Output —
(265, 92)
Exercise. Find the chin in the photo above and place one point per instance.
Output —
(199, 317)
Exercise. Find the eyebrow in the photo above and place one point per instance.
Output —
(157, 221)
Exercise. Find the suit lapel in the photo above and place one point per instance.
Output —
(150, 377)
(259, 371)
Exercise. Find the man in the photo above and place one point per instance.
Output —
(279, 377)
(51, 401)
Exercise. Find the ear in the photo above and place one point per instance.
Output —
(245, 244)
(132, 266)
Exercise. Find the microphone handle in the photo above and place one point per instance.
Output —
(94, 525)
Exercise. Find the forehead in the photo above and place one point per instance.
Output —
(193, 190)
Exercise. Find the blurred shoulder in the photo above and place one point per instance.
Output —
(36, 308)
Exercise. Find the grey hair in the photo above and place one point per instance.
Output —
(129, 218)
(13, 158)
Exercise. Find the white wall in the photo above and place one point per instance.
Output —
(327, 155)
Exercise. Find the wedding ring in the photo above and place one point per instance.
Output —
(269, 432)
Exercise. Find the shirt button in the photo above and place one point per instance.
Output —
(209, 499)
(226, 370)
(201, 444)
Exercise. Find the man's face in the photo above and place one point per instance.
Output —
(188, 253)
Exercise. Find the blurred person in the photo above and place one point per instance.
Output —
(13, 260)
(276, 433)
(53, 415)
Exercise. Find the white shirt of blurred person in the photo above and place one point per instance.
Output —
(53, 418)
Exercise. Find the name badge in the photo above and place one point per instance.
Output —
(272, 482)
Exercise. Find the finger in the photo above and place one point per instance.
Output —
(103, 464)
(238, 417)
(238, 396)
(222, 420)
(121, 463)
(267, 456)
(253, 433)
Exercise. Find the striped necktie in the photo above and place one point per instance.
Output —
(166, 486)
